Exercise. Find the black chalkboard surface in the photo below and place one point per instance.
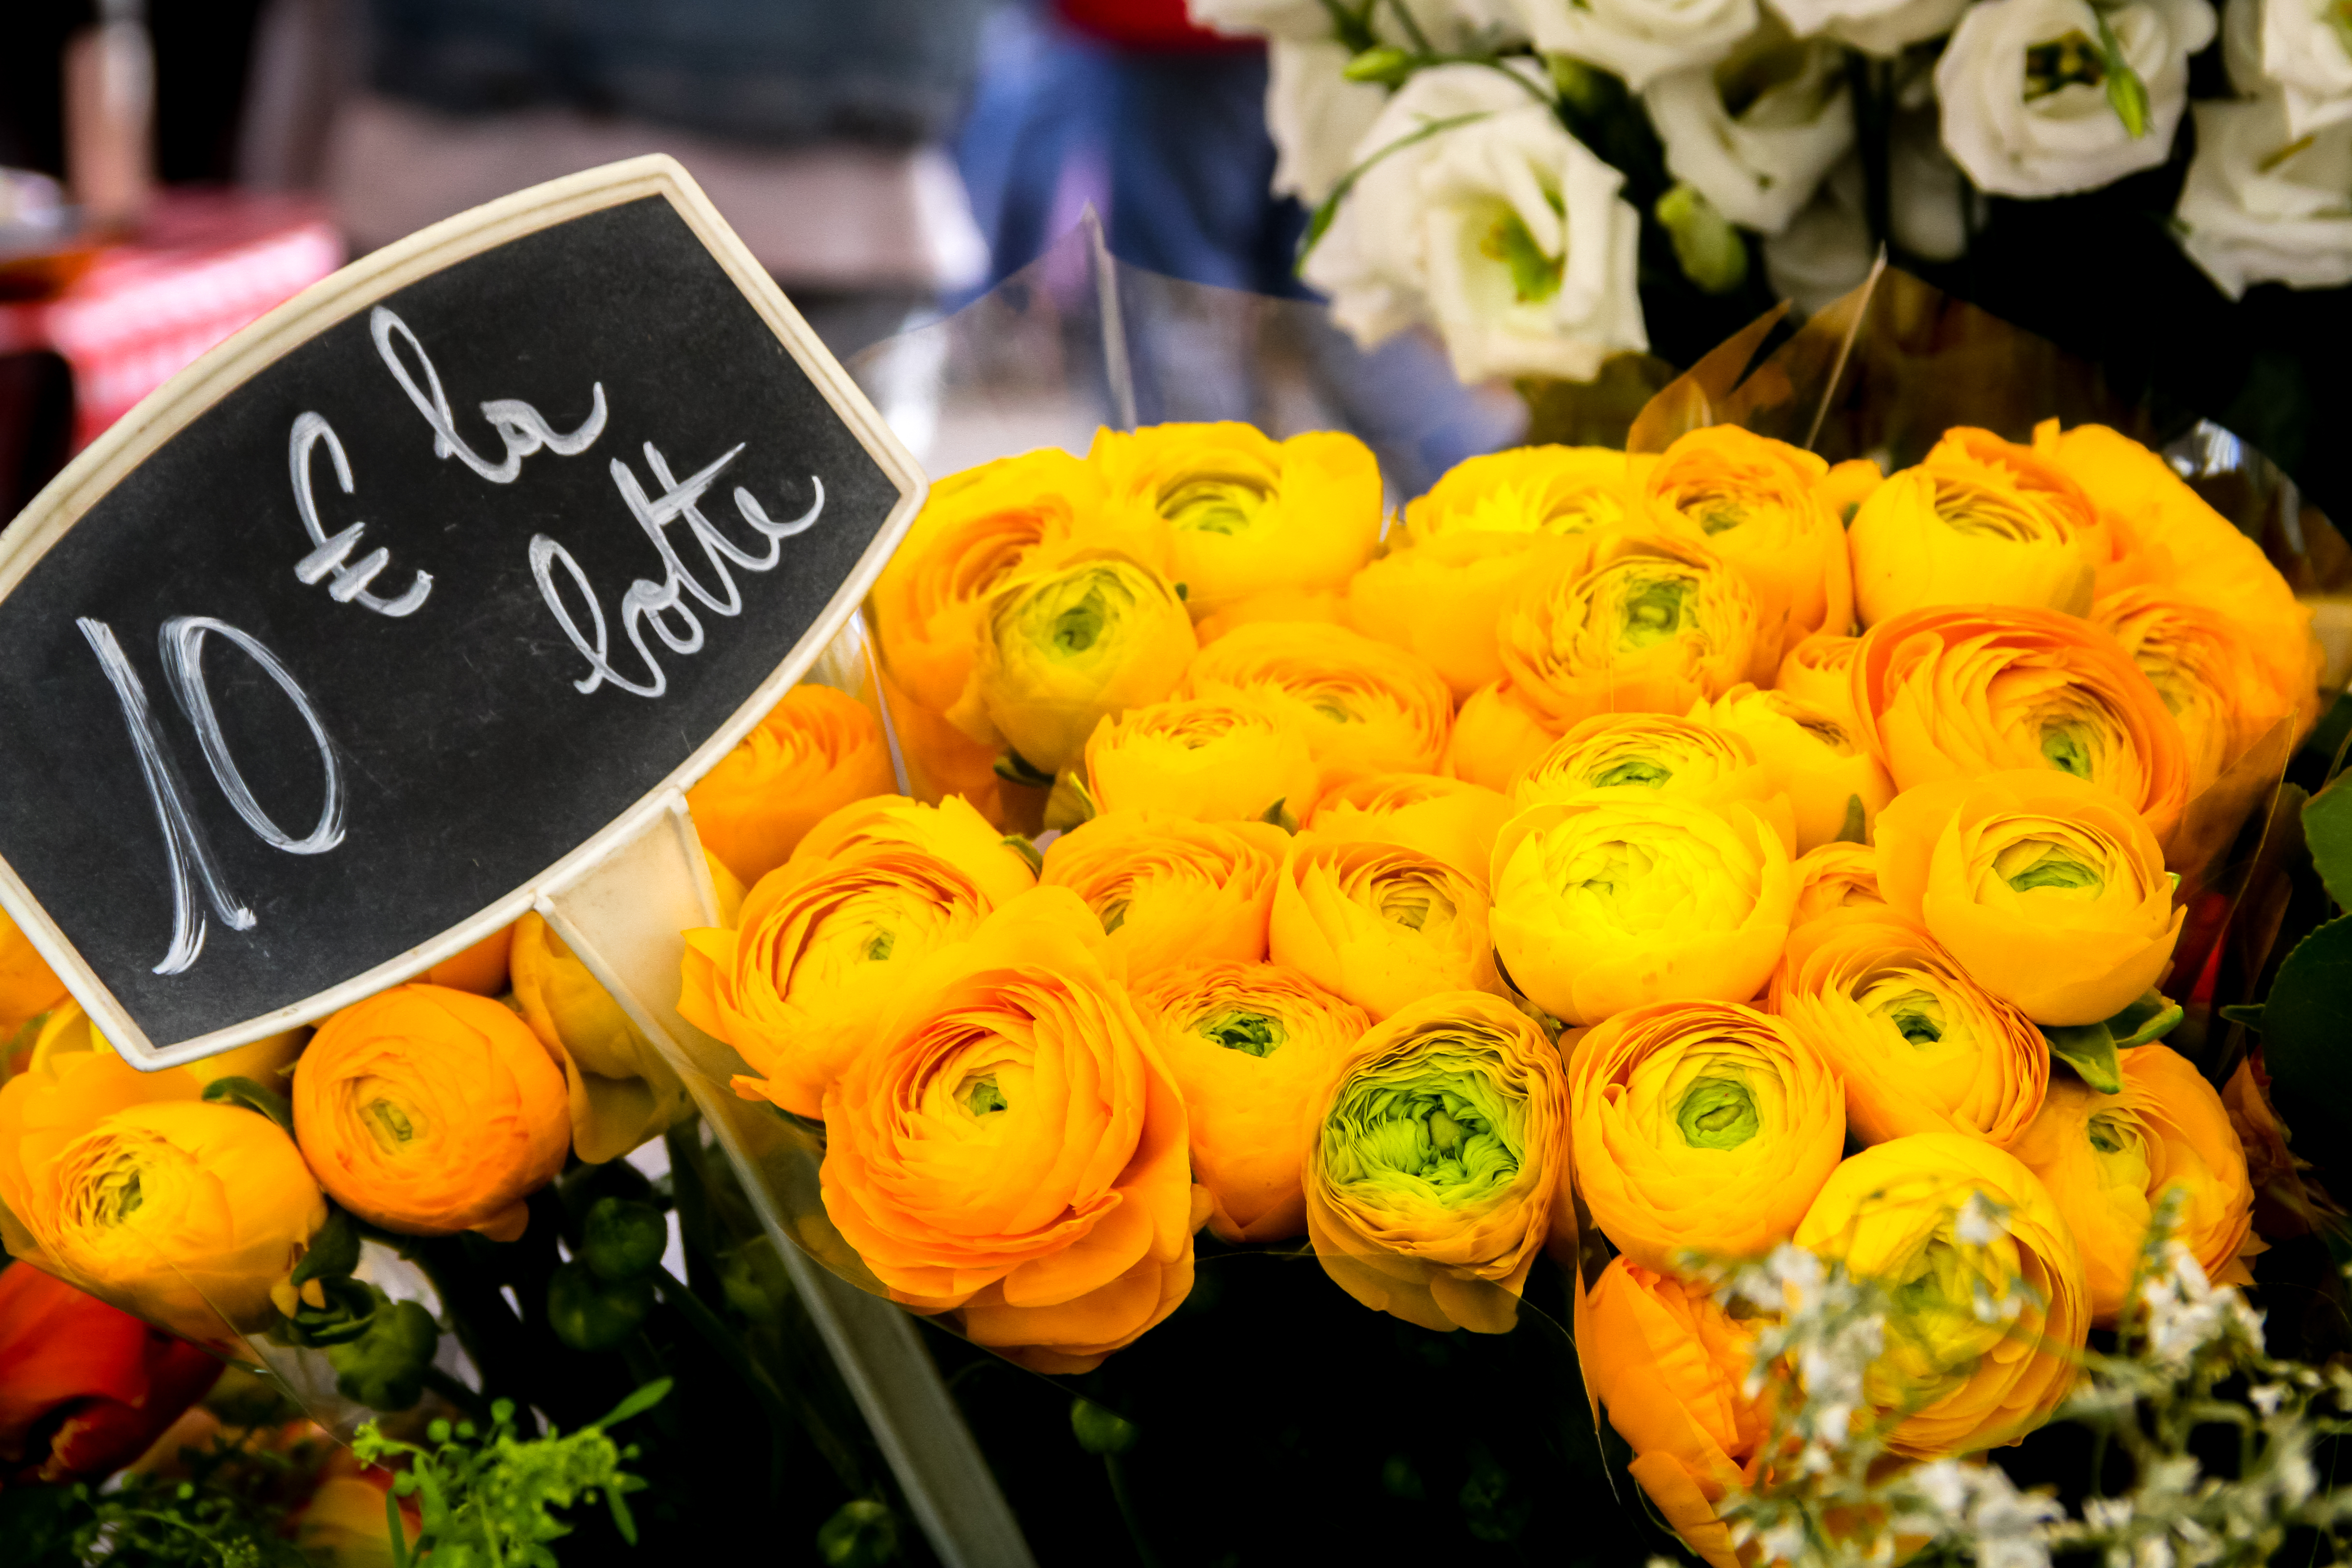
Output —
(397, 600)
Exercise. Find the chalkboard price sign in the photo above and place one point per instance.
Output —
(389, 610)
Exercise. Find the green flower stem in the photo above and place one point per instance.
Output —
(731, 1349)
(1114, 1467)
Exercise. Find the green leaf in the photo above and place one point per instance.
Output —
(334, 1251)
(1101, 1431)
(1384, 64)
(637, 1403)
(245, 1092)
(1015, 768)
(1279, 815)
(2125, 92)
(2151, 1017)
(2328, 833)
(1071, 805)
(1027, 850)
(2090, 1049)
(2305, 1020)
(1328, 208)
(1856, 827)
(1708, 249)
(2247, 1013)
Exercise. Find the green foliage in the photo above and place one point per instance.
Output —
(2302, 1025)
(228, 1511)
(2327, 831)
(383, 1368)
(484, 1498)
(1101, 1431)
(622, 1238)
(2089, 1049)
(588, 1312)
(861, 1533)
(245, 1092)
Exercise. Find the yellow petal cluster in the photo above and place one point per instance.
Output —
(1451, 818)
(1171, 890)
(1363, 706)
(818, 750)
(1666, 756)
(1379, 924)
(1834, 786)
(1218, 759)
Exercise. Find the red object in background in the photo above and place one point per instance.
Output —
(84, 1387)
(1158, 26)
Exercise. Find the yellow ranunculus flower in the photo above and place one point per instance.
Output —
(27, 985)
(1654, 753)
(1834, 877)
(1671, 1366)
(1249, 1044)
(1833, 784)
(1609, 901)
(2109, 1159)
(1495, 735)
(1240, 513)
(1075, 634)
(1438, 1164)
(1643, 623)
(1323, 606)
(1819, 673)
(1364, 707)
(1551, 491)
(1980, 521)
(1214, 759)
(1959, 693)
(1449, 817)
(130, 1185)
(2202, 666)
(824, 941)
(1759, 503)
(1904, 1212)
(267, 1062)
(1008, 1144)
(1378, 924)
(619, 1089)
(429, 1111)
(2052, 892)
(1442, 598)
(2169, 536)
(818, 750)
(1848, 484)
(1170, 890)
(1922, 1047)
(1701, 1128)
(940, 759)
(975, 529)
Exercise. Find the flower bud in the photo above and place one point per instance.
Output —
(621, 1238)
(589, 1312)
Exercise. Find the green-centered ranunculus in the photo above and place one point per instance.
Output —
(1438, 1164)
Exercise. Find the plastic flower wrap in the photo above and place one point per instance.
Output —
(84, 1386)
(1170, 891)
(1702, 1130)
(1378, 924)
(2109, 1159)
(1438, 1164)
(1920, 1046)
(1216, 759)
(1987, 1277)
(1007, 1142)
(1451, 818)
(1363, 706)
(1835, 787)
(816, 750)
(429, 1112)
(2050, 891)
(1250, 1044)
(620, 1089)
(1610, 901)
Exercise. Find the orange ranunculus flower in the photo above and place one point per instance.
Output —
(85, 1386)
(1819, 673)
(429, 1112)
(1495, 735)
(1380, 924)
(1009, 1144)
(1959, 693)
(1437, 1165)
(2109, 1159)
(1847, 485)
(1904, 1212)
(1451, 818)
(1645, 622)
(1215, 758)
(2169, 536)
(940, 759)
(816, 751)
(1238, 514)
(1833, 877)
(1617, 899)
(2050, 891)
(1531, 491)
(1980, 521)
(824, 942)
(1364, 707)
(481, 968)
(619, 1089)
(2202, 666)
(1323, 606)
(267, 1061)
(131, 1186)
(1249, 1044)
(28, 987)
(1171, 890)
(1701, 1128)
(1670, 1366)
(1655, 754)
(1759, 504)
(975, 528)
(1835, 787)
(1077, 633)
(1922, 1047)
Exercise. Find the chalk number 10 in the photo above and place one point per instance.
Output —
(193, 870)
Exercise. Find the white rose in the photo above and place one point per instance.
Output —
(1760, 163)
(1640, 40)
(1503, 230)
(2262, 204)
(1882, 27)
(1315, 115)
(2025, 105)
(2308, 50)
(1826, 251)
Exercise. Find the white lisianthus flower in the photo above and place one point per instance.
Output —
(2262, 204)
(1640, 40)
(1315, 115)
(1501, 228)
(1882, 27)
(1448, 25)
(2026, 110)
(1756, 131)
(1304, 20)
(2306, 49)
